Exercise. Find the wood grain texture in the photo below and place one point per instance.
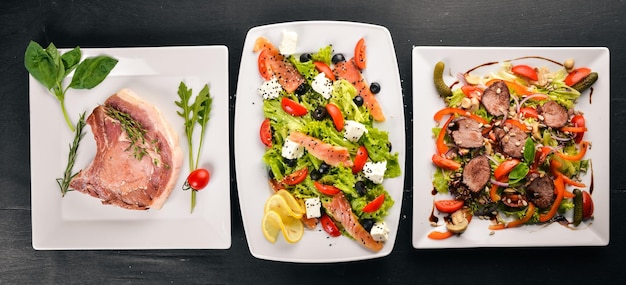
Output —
(117, 23)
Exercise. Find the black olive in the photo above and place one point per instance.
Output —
(338, 58)
(305, 57)
(360, 188)
(270, 173)
(375, 87)
(319, 113)
(324, 168)
(290, 162)
(316, 175)
(367, 224)
(302, 89)
(358, 100)
(389, 146)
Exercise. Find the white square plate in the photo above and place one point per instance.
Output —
(79, 221)
(426, 102)
(252, 180)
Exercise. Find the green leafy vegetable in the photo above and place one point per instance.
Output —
(64, 183)
(50, 67)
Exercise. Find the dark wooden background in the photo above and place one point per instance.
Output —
(115, 23)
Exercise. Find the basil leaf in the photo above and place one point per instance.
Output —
(71, 59)
(56, 57)
(518, 173)
(92, 71)
(40, 65)
(529, 150)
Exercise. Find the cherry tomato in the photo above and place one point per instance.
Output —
(587, 205)
(529, 112)
(266, 133)
(329, 190)
(296, 177)
(292, 107)
(198, 179)
(264, 68)
(505, 168)
(445, 163)
(329, 226)
(576, 75)
(360, 159)
(360, 60)
(323, 67)
(525, 71)
(448, 206)
(375, 204)
(578, 121)
(472, 91)
(336, 115)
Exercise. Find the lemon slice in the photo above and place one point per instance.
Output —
(293, 229)
(272, 224)
(285, 205)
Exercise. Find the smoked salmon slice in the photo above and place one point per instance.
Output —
(350, 72)
(331, 154)
(340, 210)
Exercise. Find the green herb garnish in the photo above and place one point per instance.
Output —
(64, 183)
(196, 112)
(135, 132)
(50, 67)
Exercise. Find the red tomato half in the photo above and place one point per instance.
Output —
(360, 59)
(448, 206)
(198, 179)
(529, 112)
(329, 226)
(577, 75)
(296, 177)
(525, 71)
(360, 159)
(264, 68)
(329, 190)
(579, 121)
(587, 205)
(375, 204)
(292, 107)
(336, 115)
(324, 68)
(266, 133)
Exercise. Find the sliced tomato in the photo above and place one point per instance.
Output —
(375, 204)
(292, 107)
(329, 226)
(505, 168)
(336, 115)
(360, 159)
(445, 163)
(472, 91)
(329, 190)
(266, 133)
(287, 74)
(576, 75)
(579, 121)
(587, 205)
(528, 112)
(264, 68)
(262, 43)
(449, 206)
(525, 71)
(296, 177)
(324, 68)
(360, 58)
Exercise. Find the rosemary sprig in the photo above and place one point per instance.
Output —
(64, 183)
(135, 132)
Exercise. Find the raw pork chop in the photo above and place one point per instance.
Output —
(138, 175)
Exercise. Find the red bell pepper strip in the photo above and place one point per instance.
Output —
(530, 211)
(581, 152)
(441, 144)
(449, 110)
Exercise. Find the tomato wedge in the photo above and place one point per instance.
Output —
(505, 168)
(576, 75)
(292, 107)
(296, 177)
(472, 91)
(264, 68)
(528, 112)
(359, 54)
(587, 205)
(525, 71)
(336, 115)
(324, 68)
(375, 204)
(449, 206)
(360, 159)
(445, 163)
(329, 190)
(579, 121)
(266, 133)
(329, 226)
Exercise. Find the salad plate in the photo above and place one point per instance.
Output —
(594, 103)
(79, 221)
(252, 176)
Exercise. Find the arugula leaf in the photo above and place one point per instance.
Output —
(204, 101)
(92, 71)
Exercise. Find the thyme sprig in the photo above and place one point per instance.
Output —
(64, 183)
(134, 130)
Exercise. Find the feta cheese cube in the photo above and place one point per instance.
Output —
(375, 171)
(321, 84)
(288, 42)
(380, 231)
(353, 130)
(270, 89)
(292, 150)
(313, 206)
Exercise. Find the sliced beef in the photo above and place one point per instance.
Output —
(511, 140)
(540, 191)
(466, 132)
(496, 98)
(554, 115)
(138, 175)
(476, 173)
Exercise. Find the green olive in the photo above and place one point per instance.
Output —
(442, 88)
